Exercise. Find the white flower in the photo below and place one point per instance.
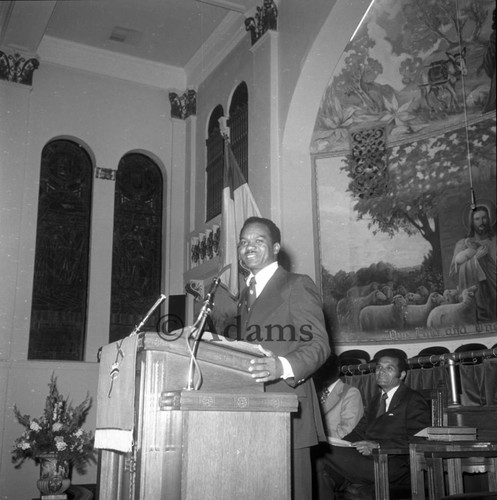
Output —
(35, 426)
(24, 445)
(60, 444)
(57, 426)
(78, 433)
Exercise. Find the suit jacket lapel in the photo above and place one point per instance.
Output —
(397, 397)
(334, 396)
(270, 298)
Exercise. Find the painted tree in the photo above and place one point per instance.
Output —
(420, 175)
(429, 22)
(355, 82)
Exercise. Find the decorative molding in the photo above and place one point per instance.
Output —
(105, 173)
(169, 401)
(205, 246)
(17, 68)
(212, 401)
(108, 63)
(183, 106)
(214, 50)
(265, 19)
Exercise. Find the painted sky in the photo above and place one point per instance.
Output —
(348, 244)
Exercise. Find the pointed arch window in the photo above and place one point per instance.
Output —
(238, 124)
(60, 285)
(137, 244)
(214, 170)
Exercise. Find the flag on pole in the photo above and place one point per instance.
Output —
(237, 205)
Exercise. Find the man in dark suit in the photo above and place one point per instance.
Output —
(282, 311)
(393, 416)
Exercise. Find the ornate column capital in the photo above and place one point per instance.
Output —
(265, 19)
(183, 106)
(14, 67)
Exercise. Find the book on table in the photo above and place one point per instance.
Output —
(452, 437)
(451, 433)
(451, 430)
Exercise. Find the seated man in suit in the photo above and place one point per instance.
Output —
(341, 404)
(392, 417)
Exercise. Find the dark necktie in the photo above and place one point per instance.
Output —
(382, 408)
(251, 295)
(324, 396)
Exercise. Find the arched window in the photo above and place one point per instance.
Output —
(137, 245)
(214, 170)
(238, 124)
(60, 286)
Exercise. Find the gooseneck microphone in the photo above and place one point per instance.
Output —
(193, 338)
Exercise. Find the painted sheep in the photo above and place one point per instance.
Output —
(463, 313)
(386, 317)
(417, 315)
(360, 303)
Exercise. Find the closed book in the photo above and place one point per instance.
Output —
(452, 437)
(451, 430)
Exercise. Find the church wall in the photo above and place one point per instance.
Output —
(110, 117)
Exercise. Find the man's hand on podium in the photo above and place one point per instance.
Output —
(266, 369)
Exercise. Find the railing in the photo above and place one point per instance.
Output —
(450, 360)
(433, 359)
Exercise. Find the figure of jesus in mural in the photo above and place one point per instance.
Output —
(474, 262)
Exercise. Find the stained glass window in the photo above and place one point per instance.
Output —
(137, 246)
(214, 170)
(60, 286)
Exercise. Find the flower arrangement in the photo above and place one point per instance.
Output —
(58, 431)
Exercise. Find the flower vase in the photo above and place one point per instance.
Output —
(54, 478)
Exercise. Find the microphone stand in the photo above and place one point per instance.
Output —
(197, 330)
(144, 320)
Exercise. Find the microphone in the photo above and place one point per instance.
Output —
(197, 330)
(149, 313)
(196, 333)
(209, 299)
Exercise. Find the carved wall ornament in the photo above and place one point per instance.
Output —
(183, 106)
(204, 246)
(16, 68)
(368, 161)
(264, 19)
(105, 173)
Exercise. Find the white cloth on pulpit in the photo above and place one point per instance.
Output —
(116, 396)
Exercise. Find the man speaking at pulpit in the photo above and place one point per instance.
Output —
(282, 312)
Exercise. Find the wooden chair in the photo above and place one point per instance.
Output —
(381, 481)
(456, 463)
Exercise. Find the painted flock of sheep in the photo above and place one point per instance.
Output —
(376, 307)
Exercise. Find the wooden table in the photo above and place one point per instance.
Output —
(418, 447)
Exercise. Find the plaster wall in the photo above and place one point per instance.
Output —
(110, 117)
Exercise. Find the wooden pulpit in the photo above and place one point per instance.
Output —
(227, 440)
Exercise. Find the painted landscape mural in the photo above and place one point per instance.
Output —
(404, 149)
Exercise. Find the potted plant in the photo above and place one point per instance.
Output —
(56, 440)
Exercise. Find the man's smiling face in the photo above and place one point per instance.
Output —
(256, 248)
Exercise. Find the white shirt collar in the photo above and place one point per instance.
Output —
(390, 394)
(332, 386)
(262, 277)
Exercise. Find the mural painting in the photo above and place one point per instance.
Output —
(404, 151)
